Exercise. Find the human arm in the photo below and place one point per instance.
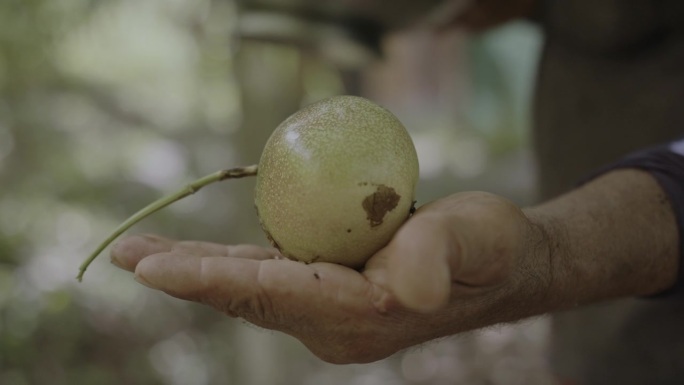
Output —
(462, 262)
(613, 237)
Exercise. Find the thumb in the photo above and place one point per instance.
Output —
(419, 270)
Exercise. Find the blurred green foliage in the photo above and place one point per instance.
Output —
(70, 166)
(104, 106)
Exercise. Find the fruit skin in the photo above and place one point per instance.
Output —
(335, 181)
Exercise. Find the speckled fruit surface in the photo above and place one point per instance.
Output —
(335, 181)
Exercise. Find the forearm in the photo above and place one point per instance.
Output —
(616, 236)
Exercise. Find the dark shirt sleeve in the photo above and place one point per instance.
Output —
(666, 164)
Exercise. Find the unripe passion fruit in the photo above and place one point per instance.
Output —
(335, 181)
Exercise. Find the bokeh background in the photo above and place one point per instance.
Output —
(105, 105)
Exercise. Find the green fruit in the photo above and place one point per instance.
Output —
(335, 181)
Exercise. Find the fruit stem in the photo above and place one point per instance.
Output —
(233, 173)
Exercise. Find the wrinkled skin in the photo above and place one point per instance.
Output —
(458, 263)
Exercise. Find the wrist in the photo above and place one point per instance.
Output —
(563, 287)
(613, 237)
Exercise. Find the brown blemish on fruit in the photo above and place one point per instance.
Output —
(349, 230)
(379, 203)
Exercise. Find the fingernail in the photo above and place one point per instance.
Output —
(141, 280)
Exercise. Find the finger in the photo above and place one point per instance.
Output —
(128, 251)
(275, 293)
(236, 286)
(210, 249)
(194, 277)
(418, 263)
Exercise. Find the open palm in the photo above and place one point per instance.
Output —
(449, 268)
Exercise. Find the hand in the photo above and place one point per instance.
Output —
(459, 263)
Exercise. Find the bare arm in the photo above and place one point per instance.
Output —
(613, 237)
(462, 262)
